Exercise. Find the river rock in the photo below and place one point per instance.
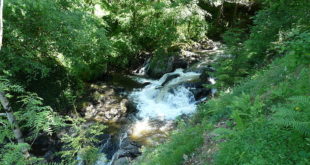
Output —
(198, 89)
(128, 150)
(105, 105)
(169, 78)
(46, 146)
(204, 76)
(160, 65)
(165, 61)
(122, 161)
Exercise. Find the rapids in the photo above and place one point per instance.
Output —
(158, 103)
(165, 100)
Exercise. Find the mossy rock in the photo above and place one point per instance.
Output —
(161, 63)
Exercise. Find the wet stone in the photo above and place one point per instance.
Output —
(105, 105)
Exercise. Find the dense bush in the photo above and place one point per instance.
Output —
(171, 153)
(136, 26)
(266, 117)
(248, 52)
(265, 104)
(51, 48)
(39, 34)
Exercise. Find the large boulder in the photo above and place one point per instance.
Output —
(164, 62)
(198, 87)
(104, 105)
(122, 161)
(160, 64)
(128, 150)
(167, 60)
(169, 78)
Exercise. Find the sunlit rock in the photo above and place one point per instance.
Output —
(104, 105)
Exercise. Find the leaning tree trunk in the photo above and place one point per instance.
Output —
(1, 22)
(5, 102)
(9, 114)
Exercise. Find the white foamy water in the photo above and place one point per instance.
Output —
(166, 101)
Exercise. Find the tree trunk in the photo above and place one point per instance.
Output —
(5, 102)
(9, 114)
(235, 13)
(1, 22)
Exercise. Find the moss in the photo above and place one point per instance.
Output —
(161, 63)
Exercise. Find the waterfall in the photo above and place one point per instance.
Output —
(121, 139)
(213, 90)
(141, 71)
(158, 104)
(164, 98)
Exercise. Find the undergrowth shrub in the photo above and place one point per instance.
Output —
(275, 130)
(264, 144)
(294, 114)
(183, 142)
(278, 27)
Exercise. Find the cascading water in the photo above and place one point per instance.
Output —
(164, 99)
(141, 71)
(158, 104)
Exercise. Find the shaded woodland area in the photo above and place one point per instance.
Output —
(53, 52)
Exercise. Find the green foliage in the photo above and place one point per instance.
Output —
(33, 114)
(268, 127)
(263, 144)
(50, 45)
(269, 22)
(267, 114)
(80, 141)
(6, 130)
(171, 153)
(294, 114)
(217, 108)
(14, 154)
(280, 27)
(35, 36)
(246, 110)
(232, 67)
(136, 26)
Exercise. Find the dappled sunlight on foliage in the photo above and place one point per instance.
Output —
(53, 49)
(266, 112)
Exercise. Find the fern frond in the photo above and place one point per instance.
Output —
(295, 114)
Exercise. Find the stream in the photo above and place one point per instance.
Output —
(157, 105)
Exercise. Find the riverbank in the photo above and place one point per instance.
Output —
(142, 82)
(141, 111)
(259, 121)
(261, 114)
